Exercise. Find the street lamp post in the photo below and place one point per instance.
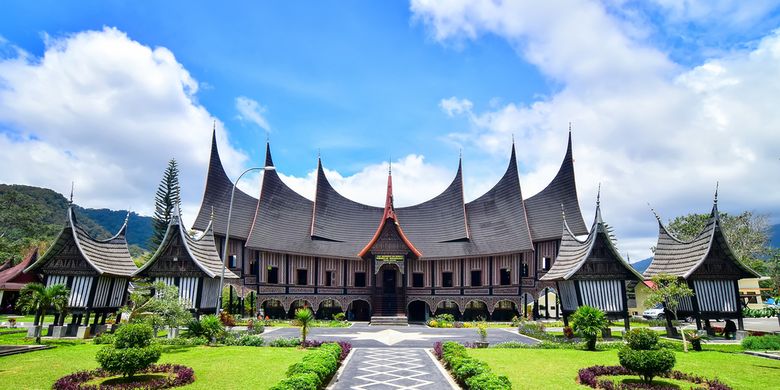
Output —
(227, 234)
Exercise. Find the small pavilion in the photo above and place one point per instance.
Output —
(191, 264)
(591, 272)
(96, 272)
(13, 279)
(709, 267)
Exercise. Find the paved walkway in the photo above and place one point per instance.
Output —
(391, 368)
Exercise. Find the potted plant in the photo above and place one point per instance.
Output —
(482, 332)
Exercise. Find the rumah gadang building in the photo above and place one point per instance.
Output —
(483, 258)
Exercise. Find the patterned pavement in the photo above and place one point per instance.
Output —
(390, 369)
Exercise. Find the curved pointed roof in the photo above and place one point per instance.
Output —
(544, 208)
(682, 258)
(110, 256)
(202, 250)
(216, 197)
(13, 278)
(574, 253)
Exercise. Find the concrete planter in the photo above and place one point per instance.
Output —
(482, 344)
(34, 331)
(58, 332)
(100, 329)
(173, 333)
(83, 332)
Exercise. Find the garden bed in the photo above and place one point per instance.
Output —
(158, 376)
(622, 378)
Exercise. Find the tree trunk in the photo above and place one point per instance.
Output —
(35, 324)
(682, 333)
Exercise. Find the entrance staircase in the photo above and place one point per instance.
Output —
(389, 308)
(398, 320)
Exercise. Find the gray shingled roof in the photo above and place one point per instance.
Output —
(335, 226)
(110, 256)
(682, 258)
(217, 196)
(544, 208)
(202, 250)
(574, 253)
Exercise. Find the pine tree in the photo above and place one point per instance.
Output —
(167, 196)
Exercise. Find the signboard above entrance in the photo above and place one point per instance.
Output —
(389, 258)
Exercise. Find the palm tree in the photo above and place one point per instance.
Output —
(588, 322)
(304, 317)
(38, 298)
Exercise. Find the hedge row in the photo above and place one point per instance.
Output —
(313, 371)
(471, 373)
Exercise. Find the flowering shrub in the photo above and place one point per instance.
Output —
(568, 332)
(590, 377)
(437, 351)
(181, 375)
(345, 348)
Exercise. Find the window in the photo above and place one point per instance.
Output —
(446, 279)
(524, 272)
(273, 275)
(417, 279)
(232, 261)
(476, 278)
(301, 277)
(505, 277)
(328, 278)
(545, 263)
(254, 267)
(360, 279)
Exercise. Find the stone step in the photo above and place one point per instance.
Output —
(389, 320)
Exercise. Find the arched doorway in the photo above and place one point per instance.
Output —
(476, 310)
(359, 310)
(298, 304)
(272, 308)
(328, 308)
(505, 310)
(448, 307)
(527, 306)
(547, 304)
(418, 311)
(389, 297)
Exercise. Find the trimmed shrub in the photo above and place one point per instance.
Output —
(104, 338)
(340, 316)
(641, 339)
(313, 371)
(131, 352)
(307, 381)
(251, 340)
(757, 343)
(470, 367)
(647, 363)
(488, 381)
(182, 341)
(283, 342)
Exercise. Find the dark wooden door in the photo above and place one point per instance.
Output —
(388, 281)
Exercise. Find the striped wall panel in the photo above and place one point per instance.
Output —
(568, 295)
(547, 249)
(685, 304)
(56, 279)
(336, 266)
(118, 292)
(481, 264)
(510, 262)
(208, 298)
(188, 291)
(167, 280)
(358, 266)
(268, 259)
(418, 267)
(301, 262)
(603, 294)
(102, 292)
(79, 291)
(716, 295)
(452, 265)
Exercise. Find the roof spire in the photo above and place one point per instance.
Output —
(389, 209)
(654, 213)
(211, 217)
(71, 192)
(563, 213)
(214, 126)
(598, 196)
(569, 127)
(390, 166)
(716, 191)
(269, 162)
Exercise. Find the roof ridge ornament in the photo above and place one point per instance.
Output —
(716, 191)
(654, 213)
(72, 184)
(598, 196)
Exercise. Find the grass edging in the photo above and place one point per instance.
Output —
(316, 369)
(469, 372)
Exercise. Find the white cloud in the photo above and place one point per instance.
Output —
(251, 111)
(646, 128)
(454, 106)
(105, 112)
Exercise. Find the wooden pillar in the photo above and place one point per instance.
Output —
(546, 303)
(230, 300)
(695, 305)
(624, 298)
(740, 322)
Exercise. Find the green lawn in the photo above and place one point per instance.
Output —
(215, 367)
(27, 318)
(557, 368)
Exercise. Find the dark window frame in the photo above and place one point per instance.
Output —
(476, 278)
(272, 271)
(301, 272)
(418, 279)
(505, 277)
(329, 278)
(445, 279)
(363, 279)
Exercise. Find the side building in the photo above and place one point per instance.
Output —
(483, 258)
(96, 272)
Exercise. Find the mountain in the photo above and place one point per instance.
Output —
(642, 265)
(33, 216)
(774, 236)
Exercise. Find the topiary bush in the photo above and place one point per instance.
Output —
(488, 381)
(208, 326)
(313, 371)
(641, 339)
(468, 371)
(647, 363)
(131, 352)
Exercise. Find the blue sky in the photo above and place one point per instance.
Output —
(665, 98)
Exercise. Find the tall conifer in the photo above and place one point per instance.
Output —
(167, 196)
